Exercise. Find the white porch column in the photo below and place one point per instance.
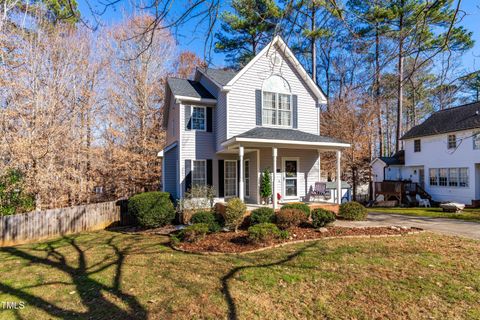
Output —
(274, 182)
(241, 178)
(339, 180)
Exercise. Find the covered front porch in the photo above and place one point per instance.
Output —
(293, 159)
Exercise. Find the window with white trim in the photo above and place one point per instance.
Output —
(433, 177)
(199, 116)
(199, 172)
(276, 102)
(449, 177)
(230, 178)
(476, 141)
(417, 145)
(452, 141)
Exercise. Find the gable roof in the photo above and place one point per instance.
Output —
(285, 134)
(449, 120)
(220, 76)
(278, 41)
(188, 88)
(397, 159)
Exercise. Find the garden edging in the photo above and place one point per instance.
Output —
(278, 245)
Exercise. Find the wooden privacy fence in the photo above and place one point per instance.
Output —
(38, 225)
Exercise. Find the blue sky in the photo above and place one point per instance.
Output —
(191, 35)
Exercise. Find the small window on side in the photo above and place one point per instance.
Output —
(452, 141)
(476, 141)
(417, 145)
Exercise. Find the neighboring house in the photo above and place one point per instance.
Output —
(442, 155)
(224, 128)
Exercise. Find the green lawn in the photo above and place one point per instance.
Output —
(467, 214)
(108, 275)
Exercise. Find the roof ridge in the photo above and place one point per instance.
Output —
(460, 106)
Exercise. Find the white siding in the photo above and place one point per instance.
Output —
(241, 98)
(434, 154)
(220, 123)
(308, 171)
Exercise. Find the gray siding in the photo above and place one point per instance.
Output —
(173, 130)
(209, 85)
(171, 169)
(241, 98)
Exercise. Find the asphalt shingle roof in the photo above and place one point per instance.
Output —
(397, 159)
(220, 76)
(449, 120)
(188, 88)
(285, 134)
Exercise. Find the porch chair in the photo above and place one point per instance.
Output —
(320, 190)
(422, 202)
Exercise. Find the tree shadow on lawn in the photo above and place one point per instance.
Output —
(90, 291)
(232, 308)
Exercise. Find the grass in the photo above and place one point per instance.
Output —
(467, 214)
(108, 275)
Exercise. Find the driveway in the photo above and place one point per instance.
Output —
(452, 227)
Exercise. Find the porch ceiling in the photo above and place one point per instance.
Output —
(283, 138)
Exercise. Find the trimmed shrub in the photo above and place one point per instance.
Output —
(322, 217)
(194, 232)
(262, 215)
(234, 213)
(152, 209)
(288, 218)
(353, 211)
(208, 218)
(265, 232)
(298, 205)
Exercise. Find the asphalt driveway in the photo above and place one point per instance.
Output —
(453, 227)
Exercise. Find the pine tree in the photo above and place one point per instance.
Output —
(246, 30)
(266, 185)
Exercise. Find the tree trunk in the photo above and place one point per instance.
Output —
(313, 44)
(377, 92)
(400, 87)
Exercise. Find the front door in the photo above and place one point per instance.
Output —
(290, 168)
(421, 178)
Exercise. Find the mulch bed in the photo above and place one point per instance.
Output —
(231, 242)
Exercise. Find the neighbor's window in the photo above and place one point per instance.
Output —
(199, 173)
(463, 177)
(433, 177)
(417, 147)
(452, 141)
(476, 141)
(442, 177)
(198, 118)
(453, 177)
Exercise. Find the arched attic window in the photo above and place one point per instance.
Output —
(276, 102)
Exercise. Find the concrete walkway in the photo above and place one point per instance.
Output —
(451, 227)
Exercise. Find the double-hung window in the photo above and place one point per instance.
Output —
(452, 141)
(199, 173)
(277, 109)
(199, 115)
(476, 141)
(433, 177)
(417, 146)
(449, 177)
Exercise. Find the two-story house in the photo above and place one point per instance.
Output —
(442, 155)
(223, 128)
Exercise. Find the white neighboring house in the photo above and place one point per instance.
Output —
(224, 128)
(442, 155)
